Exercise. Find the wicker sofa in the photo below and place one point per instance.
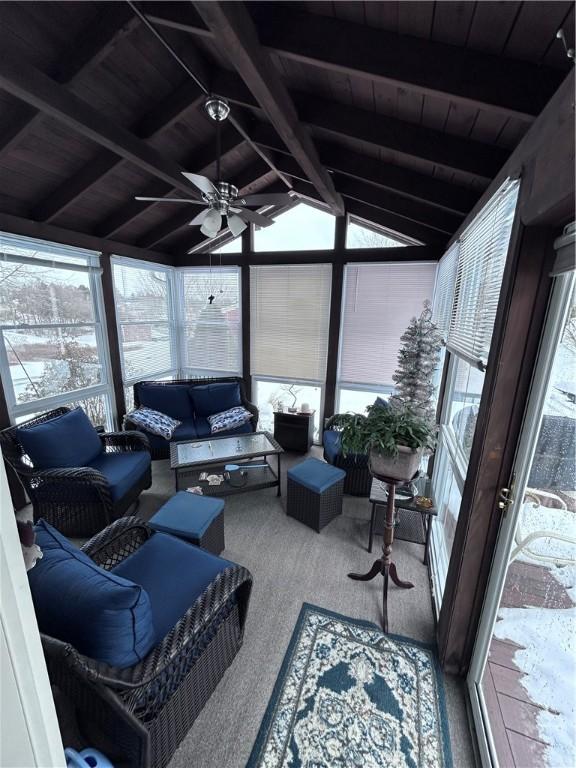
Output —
(138, 715)
(81, 500)
(174, 398)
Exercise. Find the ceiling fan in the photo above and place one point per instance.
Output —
(221, 198)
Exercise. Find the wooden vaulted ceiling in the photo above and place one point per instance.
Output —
(398, 112)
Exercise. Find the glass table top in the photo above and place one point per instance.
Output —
(223, 448)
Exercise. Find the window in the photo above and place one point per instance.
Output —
(144, 313)
(272, 395)
(211, 330)
(53, 349)
(378, 302)
(230, 246)
(465, 304)
(302, 228)
(290, 317)
(362, 234)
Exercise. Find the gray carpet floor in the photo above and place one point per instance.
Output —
(292, 564)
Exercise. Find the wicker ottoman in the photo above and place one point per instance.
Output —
(315, 493)
(198, 519)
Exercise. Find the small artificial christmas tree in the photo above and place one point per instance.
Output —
(417, 361)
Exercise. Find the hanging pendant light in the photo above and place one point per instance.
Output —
(235, 224)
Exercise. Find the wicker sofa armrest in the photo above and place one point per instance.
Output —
(129, 440)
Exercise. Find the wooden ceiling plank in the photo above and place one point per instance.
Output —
(187, 96)
(481, 79)
(236, 34)
(84, 54)
(32, 86)
(402, 181)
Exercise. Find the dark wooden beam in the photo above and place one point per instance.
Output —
(513, 88)
(186, 97)
(32, 86)
(112, 333)
(482, 161)
(417, 186)
(237, 36)
(335, 322)
(199, 162)
(245, 304)
(29, 228)
(84, 53)
(414, 210)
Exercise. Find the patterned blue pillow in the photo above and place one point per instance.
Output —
(230, 419)
(155, 422)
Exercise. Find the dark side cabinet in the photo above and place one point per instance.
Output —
(294, 431)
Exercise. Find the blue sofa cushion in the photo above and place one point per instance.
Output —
(69, 440)
(381, 402)
(171, 399)
(154, 422)
(332, 444)
(103, 615)
(187, 515)
(187, 430)
(316, 475)
(214, 398)
(174, 573)
(122, 470)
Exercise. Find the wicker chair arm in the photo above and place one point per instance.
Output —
(80, 475)
(177, 642)
(117, 541)
(130, 440)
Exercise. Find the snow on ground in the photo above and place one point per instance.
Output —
(548, 659)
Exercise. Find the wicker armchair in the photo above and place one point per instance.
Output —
(76, 501)
(160, 448)
(139, 715)
(358, 478)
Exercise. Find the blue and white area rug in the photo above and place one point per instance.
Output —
(349, 696)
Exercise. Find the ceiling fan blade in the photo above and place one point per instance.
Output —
(203, 184)
(264, 199)
(199, 218)
(255, 218)
(171, 200)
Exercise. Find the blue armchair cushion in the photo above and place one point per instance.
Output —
(122, 470)
(104, 616)
(155, 422)
(69, 440)
(233, 417)
(174, 573)
(316, 475)
(171, 399)
(332, 444)
(187, 515)
(214, 398)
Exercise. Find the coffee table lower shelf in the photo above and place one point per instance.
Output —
(256, 480)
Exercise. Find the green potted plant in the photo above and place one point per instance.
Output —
(395, 438)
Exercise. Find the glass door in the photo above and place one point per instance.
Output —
(522, 680)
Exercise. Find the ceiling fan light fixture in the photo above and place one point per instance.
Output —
(236, 224)
(211, 224)
(217, 108)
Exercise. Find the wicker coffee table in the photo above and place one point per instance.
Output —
(190, 458)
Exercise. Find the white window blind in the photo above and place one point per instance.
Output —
(483, 248)
(444, 290)
(212, 332)
(378, 302)
(144, 315)
(289, 320)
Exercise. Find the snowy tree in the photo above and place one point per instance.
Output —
(417, 361)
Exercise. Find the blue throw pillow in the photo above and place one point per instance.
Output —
(104, 616)
(155, 422)
(215, 398)
(235, 417)
(69, 440)
(171, 399)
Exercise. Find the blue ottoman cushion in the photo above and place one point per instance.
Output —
(104, 616)
(69, 440)
(316, 475)
(174, 573)
(122, 470)
(187, 515)
(215, 398)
